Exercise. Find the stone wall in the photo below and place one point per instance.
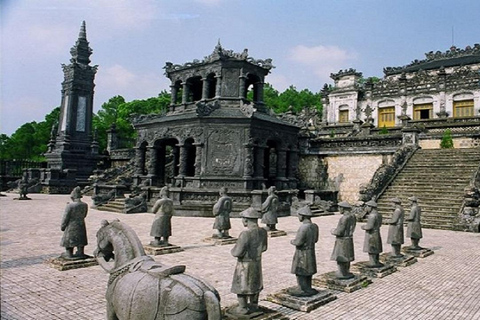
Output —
(312, 171)
(352, 171)
(458, 143)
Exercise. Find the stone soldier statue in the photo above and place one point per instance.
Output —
(247, 279)
(221, 211)
(73, 226)
(373, 240)
(414, 227)
(162, 227)
(343, 251)
(395, 230)
(304, 264)
(269, 209)
(23, 188)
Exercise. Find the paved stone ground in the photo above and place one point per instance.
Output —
(443, 286)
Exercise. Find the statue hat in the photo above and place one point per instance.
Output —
(251, 213)
(76, 193)
(413, 198)
(345, 204)
(371, 203)
(396, 200)
(305, 211)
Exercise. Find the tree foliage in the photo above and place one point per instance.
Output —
(447, 140)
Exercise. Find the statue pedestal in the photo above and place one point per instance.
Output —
(220, 241)
(376, 272)
(22, 198)
(305, 304)
(330, 281)
(404, 261)
(62, 264)
(276, 233)
(156, 251)
(262, 314)
(418, 253)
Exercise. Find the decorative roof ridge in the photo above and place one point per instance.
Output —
(219, 53)
(453, 52)
(345, 72)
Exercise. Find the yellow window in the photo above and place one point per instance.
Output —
(423, 111)
(343, 116)
(463, 108)
(386, 117)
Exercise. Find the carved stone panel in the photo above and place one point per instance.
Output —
(224, 149)
(230, 82)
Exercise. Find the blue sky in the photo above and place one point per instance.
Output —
(132, 40)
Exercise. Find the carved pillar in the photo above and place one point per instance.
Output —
(175, 152)
(139, 161)
(259, 89)
(182, 165)
(218, 88)
(185, 92)
(242, 92)
(198, 158)
(152, 164)
(442, 80)
(293, 164)
(281, 163)
(248, 168)
(259, 161)
(173, 94)
(205, 88)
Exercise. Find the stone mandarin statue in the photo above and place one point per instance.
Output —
(221, 211)
(73, 226)
(247, 279)
(343, 251)
(395, 230)
(162, 226)
(414, 227)
(304, 264)
(269, 210)
(373, 240)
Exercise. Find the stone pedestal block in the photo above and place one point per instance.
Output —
(404, 261)
(262, 314)
(305, 304)
(418, 253)
(219, 241)
(156, 251)
(330, 281)
(377, 272)
(276, 233)
(63, 264)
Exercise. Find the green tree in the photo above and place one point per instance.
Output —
(447, 141)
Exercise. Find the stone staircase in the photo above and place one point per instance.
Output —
(115, 205)
(437, 177)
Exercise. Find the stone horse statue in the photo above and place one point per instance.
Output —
(140, 288)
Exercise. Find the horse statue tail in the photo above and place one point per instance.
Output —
(212, 304)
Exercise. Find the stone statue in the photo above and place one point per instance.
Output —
(162, 227)
(140, 288)
(73, 227)
(414, 227)
(221, 211)
(247, 279)
(395, 230)
(23, 188)
(373, 240)
(343, 250)
(136, 203)
(99, 199)
(304, 264)
(269, 210)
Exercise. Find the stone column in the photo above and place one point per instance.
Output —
(259, 159)
(281, 163)
(248, 167)
(293, 164)
(173, 94)
(185, 92)
(242, 92)
(198, 158)
(182, 165)
(152, 164)
(259, 89)
(139, 161)
(205, 88)
(218, 88)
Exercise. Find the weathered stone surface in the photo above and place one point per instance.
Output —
(422, 253)
(305, 304)
(373, 272)
(220, 241)
(404, 261)
(329, 280)
(63, 264)
(156, 251)
(276, 233)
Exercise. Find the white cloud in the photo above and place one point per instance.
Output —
(323, 60)
(278, 81)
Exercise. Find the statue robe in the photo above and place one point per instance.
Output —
(161, 226)
(343, 249)
(373, 239)
(304, 261)
(395, 230)
(414, 227)
(269, 210)
(73, 225)
(221, 211)
(247, 278)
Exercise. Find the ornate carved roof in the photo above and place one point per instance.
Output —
(434, 60)
(346, 72)
(81, 51)
(219, 53)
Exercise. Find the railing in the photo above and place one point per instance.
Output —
(15, 167)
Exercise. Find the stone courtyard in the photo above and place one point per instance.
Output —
(445, 285)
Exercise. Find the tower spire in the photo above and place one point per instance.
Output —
(81, 51)
(83, 31)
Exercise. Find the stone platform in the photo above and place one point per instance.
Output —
(377, 272)
(405, 261)
(63, 264)
(156, 251)
(330, 281)
(422, 253)
(276, 233)
(305, 304)
(220, 241)
(262, 314)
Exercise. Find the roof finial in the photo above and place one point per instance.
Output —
(83, 31)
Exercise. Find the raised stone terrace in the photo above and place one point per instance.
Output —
(444, 286)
